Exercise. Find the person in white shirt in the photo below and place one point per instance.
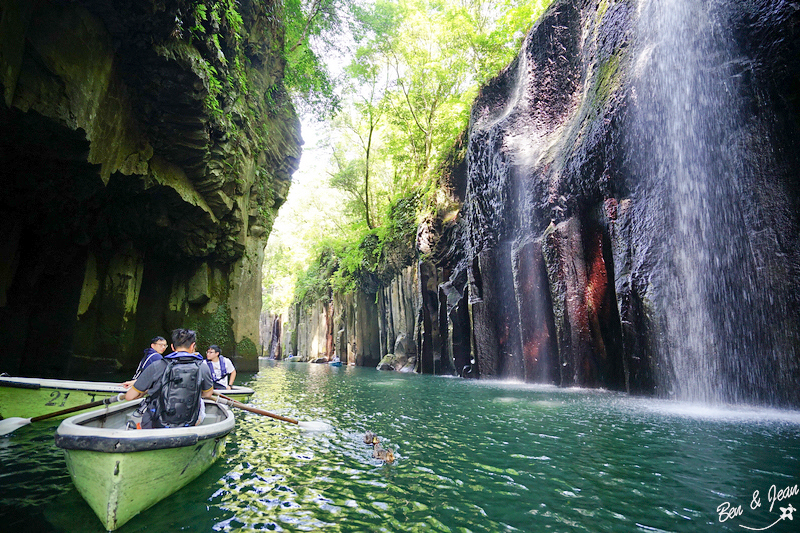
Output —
(222, 370)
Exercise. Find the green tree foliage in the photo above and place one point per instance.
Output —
(309, 214)
(312, 28)
(358, 125)
(499, 30)
(431, 91)
(416, 67)
(434, 55)
(279, 266)
(347, 264)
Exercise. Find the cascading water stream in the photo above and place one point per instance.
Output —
(720, 344)
(688, 102)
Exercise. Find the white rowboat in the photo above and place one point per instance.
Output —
(107, 463)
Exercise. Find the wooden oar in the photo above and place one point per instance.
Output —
(314, 426)
(7, 425)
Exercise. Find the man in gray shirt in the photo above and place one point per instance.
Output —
(177, 401)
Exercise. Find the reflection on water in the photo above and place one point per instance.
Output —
(470, 456)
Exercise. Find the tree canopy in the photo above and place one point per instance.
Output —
(392, 115)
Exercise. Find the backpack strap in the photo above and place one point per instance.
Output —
(184, 355)
(143, 363)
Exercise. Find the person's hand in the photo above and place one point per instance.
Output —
(228, 387)
(128, 384)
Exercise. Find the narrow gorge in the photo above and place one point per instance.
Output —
(623, 214)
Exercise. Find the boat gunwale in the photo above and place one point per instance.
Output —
(63, 384)
(72, 435)
(87, 386)
(238, 390)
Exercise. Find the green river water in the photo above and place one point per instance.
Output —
(479, 456)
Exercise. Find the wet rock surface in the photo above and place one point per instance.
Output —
(143, 165)
(565, 219)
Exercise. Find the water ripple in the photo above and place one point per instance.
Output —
(470, 456)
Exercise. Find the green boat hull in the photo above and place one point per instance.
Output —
(121, 473)
(27, 398)
(118, 486)
(31, 397)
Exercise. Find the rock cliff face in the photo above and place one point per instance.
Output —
(145, 148)
(587, 245)
(571, 234)
(359, 328)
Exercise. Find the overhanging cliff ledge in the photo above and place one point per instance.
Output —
(145, 149)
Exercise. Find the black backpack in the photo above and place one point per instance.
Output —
(178, 402)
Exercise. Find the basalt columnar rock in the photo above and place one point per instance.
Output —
(145, 148)
(359, 328)
(630, 180)
(573, 248)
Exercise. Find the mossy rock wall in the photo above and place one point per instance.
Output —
(145, 149)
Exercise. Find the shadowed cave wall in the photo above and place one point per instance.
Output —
(144, 152)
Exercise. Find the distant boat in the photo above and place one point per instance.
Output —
(30, 397)
(122, 472)
(335, 363)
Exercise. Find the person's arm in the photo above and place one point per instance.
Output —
(128, 384)
(133, 394)
(232, 375)
(208, 393)
(143, 382)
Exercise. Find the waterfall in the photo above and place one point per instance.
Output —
(721, 255)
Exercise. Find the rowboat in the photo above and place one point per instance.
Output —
(108, 463)
(30, 397)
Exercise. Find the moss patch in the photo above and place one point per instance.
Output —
(607, 79)
(247, 348)
(214, 328)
